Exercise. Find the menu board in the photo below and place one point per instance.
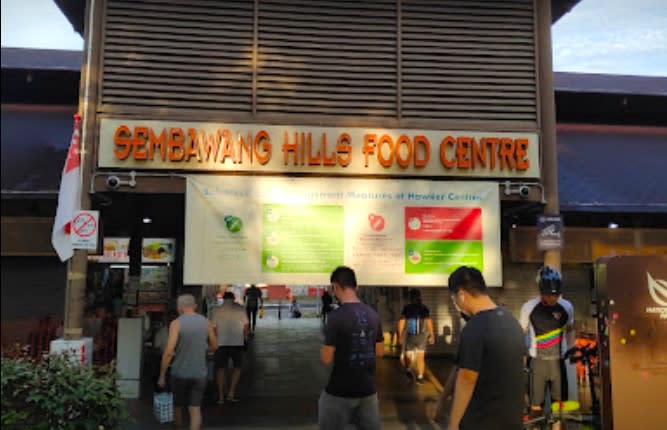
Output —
(153, 250)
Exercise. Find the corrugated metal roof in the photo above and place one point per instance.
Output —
(74, 11)
(41, 59)
(610, 84)
(612, 168)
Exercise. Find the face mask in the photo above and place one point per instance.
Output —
(465, 315)
(334, 295)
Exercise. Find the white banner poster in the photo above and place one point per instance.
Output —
(244, 229)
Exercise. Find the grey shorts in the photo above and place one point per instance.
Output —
(188, 392)
(415, 342)
(335, 413)
(545, 373)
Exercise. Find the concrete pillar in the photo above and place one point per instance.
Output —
(549, 153)
(548, 120)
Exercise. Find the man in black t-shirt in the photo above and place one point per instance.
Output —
(327, 301)
(489, 389)
(253, 302)
(352, 341)
(415, 330)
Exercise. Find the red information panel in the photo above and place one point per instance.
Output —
(277, 292)
(443, 223)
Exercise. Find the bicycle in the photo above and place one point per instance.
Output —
(567, 413)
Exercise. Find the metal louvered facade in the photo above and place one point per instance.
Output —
(469, 60)
(452, 61)
(329, 58)
(178, 55)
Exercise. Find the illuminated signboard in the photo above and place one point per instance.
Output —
(194, 146)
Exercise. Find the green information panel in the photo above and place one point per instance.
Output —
(442, 256)
(302, 239)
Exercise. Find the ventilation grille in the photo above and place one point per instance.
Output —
(179, 55)
(468, 60)
(332, 58)
(456, 60)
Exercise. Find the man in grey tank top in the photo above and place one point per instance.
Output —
(190, 335)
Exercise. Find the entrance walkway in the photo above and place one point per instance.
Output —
(283, 378)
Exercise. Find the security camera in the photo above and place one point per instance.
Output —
(113, 183)
(524, 191)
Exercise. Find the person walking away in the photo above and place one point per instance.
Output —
(253, 302)
(489, 387)
(162, 334)
(352, 341)
(327, 301)
(190, 335)
(548, 321)
(415, 330)
(160, 344)
(232, 327)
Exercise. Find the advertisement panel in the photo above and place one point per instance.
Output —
(200, 146)
(153, 250)
(297, 230)
(632, 293)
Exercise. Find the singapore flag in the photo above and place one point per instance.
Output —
(69, 197)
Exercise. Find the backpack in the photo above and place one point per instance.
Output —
(413, 325)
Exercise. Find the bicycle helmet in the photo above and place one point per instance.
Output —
(549, 281)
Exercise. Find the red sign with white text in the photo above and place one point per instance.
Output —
(443, 223)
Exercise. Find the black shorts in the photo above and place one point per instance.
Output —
(543, 373)
(224, 353)
(187, 391)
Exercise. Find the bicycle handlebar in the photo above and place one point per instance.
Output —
(580, 353)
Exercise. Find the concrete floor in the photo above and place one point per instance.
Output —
(283, 378)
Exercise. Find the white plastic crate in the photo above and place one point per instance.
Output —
(163, 407)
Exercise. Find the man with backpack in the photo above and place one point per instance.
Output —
(415, 330)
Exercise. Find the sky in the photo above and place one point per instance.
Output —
(625, 37)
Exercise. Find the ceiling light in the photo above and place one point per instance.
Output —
(612, 224)
(147, 220)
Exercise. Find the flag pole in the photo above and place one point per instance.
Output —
(77, 266)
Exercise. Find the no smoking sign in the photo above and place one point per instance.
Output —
(85, 229)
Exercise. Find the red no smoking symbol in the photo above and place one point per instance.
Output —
(84, 225)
